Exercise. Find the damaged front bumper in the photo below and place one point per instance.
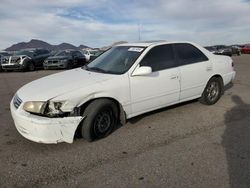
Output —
(43, 129)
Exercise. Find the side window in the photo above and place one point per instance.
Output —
(188, 54)
(79, 54)
(159, 58)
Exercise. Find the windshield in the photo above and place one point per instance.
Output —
(63, 53)
(24, 52)
(117, 60)
(4, 54)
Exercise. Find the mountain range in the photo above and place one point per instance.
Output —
(34, 43)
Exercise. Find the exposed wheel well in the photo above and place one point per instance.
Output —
(121, 112)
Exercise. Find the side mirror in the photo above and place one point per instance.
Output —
(142, 71)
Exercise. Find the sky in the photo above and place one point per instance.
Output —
(102, 22)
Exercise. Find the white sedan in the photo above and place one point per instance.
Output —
(125, 81)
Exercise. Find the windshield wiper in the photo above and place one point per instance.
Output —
(95, 69)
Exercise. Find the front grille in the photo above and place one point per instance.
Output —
(17, 101)
(7, 66)
(53, 61)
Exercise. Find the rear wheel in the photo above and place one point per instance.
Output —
(212, 92)
(100, 119)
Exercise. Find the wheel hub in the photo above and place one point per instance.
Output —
(103, 122)
(213, 91)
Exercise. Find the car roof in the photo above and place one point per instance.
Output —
(149, 43)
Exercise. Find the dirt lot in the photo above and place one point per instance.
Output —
(188, 145)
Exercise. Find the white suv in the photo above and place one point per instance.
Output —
(125, 81)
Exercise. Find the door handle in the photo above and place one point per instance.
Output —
(173, 77)
(209, 68)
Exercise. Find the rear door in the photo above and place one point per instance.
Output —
(161, 87)
(195, 70)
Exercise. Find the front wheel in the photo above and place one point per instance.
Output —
(100, 119)
(212, 92)
(31, 66)
(69, 65)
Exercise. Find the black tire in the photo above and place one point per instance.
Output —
(69, 65)
(31, 66)
(101, 118)
(212, 91)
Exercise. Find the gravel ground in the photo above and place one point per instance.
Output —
(186, 145)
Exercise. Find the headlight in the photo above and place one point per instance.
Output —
(64, 60)
(36, 107)
(49, 109)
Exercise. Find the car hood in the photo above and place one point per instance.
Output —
(52, 86)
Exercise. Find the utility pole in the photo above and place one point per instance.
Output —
(139, 31)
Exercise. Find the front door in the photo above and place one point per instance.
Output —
(161, 87)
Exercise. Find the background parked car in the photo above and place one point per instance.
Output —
(245, 49)
(236, 50)
(2, 56)
(212, 49)
(95, 54)
(65, 59)
(224, 50)
(90, 55)
(28, 59)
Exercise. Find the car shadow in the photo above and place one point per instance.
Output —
(236, 142)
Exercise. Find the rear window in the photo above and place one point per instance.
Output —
(188, 54)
